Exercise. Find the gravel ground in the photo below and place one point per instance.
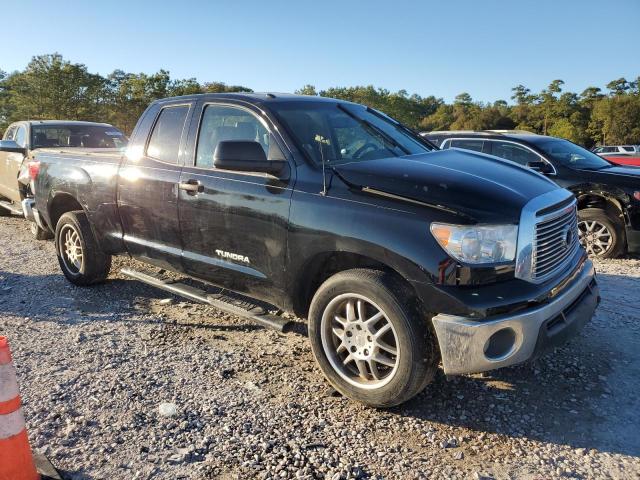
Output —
(95, 365)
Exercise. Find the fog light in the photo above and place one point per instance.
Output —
(500, 344)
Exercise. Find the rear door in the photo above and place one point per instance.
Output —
(234, 227)
(148, 188)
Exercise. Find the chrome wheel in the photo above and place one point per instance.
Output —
(71, 249)
(595, 237)
(360, 341)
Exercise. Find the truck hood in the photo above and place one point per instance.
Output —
(483, 188)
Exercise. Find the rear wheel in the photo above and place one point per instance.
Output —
(80, 258)
(600, 235)
(370, 343)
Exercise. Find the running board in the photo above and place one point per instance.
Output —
(11, 207)
(257, 313)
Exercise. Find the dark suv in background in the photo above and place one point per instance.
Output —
(608, 195)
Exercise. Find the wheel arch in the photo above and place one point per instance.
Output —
(60, 204)
(323, 265)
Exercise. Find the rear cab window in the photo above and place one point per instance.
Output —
(76, 136)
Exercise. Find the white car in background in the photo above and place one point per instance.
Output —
(617, 150)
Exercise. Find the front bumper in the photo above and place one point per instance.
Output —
(471, 346)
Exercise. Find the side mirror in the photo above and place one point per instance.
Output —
(542, 167)
(247, 156)
(12, 147)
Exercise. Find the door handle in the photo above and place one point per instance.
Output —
(191, 187)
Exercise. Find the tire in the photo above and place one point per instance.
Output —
(600, 234)
(74, 238)
(371, 293)
(40, 233)
(4, 212)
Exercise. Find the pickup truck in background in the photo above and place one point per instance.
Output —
(400, 256)
(22, 139)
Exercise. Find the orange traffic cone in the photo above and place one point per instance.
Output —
(16, 460)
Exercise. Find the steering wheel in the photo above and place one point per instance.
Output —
(370, 145)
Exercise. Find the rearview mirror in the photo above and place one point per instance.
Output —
(247, 156)
(12, 147)
(542, 167)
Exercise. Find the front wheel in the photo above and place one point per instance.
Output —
(370, 343)
(80, 258)
(600, 235)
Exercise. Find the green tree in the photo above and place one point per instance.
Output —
(307, 90)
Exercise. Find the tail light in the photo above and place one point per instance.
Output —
(636, 195)
(34, 169)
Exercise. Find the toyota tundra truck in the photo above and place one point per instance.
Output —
(400, 256)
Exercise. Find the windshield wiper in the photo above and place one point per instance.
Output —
(372, 128)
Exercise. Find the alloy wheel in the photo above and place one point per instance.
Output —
(71, 249)
(360, 341)
(595, 237)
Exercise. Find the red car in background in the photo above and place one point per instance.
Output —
(629, 160)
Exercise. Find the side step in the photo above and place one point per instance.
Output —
(256, 313)
(11, 207)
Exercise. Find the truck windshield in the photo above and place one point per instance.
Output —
(571, 155)
(84, 136)
(344, 132)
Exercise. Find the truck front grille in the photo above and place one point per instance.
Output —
(555, 242)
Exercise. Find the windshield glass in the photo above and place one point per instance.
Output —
(571, 155)
(341, 132)
(84, 136)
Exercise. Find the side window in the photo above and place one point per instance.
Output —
(220, 123)
(475, 145)
(21, 136)
(515, 153)
(164, 144)
(8, 135)
(627, 149)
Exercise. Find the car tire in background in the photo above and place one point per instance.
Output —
(601, 235)
(80, 258)
(40, 233)
(369, 338)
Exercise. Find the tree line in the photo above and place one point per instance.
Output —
(51, 87)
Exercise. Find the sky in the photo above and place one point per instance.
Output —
(439, 48)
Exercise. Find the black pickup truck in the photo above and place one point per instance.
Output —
(400, 256)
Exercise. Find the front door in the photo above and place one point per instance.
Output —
(10, 163)
(234, 227)
(148, 190)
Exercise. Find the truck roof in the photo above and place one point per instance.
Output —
(65, 122)
(253, 97)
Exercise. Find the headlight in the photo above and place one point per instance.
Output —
(477, 243)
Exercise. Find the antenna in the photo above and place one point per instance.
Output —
(322, 141)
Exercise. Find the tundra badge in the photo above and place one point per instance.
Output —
(232, 256)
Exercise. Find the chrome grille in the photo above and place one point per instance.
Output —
(555, 242)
